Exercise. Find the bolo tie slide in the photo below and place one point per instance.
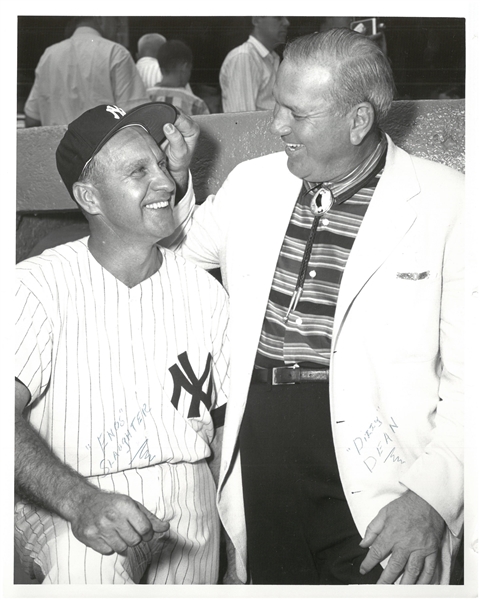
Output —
(321, 202)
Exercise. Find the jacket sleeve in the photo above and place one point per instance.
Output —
(440, 467)
(202, 230)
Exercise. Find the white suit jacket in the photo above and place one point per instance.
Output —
(396, 362)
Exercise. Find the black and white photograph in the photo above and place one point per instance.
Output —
(243, 299)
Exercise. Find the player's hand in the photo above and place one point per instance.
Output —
(179, 146)
(411, 531)
(109, 522)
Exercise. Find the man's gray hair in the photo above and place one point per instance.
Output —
(360, 70)
(92, 172)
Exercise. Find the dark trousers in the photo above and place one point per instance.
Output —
(299, 527)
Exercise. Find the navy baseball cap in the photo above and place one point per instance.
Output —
(91, 131)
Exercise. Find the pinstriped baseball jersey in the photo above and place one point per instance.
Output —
(120, 377)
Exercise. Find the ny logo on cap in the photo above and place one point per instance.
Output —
(116, 112)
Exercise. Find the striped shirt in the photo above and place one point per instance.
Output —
(120, 377)
(149, 71)
(179, 97)
(247, 77)
(305, 337)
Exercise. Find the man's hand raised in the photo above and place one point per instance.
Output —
(179, 146)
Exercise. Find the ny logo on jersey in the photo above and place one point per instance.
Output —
(116, 112)
(191, 384)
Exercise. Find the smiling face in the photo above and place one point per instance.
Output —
(317, 142)
(134, 195)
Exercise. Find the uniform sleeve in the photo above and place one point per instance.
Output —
(127, 85)
(440, 467)
(32, 342)
(240, 84)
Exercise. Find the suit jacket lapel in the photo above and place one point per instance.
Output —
(389, 217)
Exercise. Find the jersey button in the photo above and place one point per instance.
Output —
(298, 321)
(313, 273)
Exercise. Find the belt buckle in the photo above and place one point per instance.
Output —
(276, 375)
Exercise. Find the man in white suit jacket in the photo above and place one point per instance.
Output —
(387, 504)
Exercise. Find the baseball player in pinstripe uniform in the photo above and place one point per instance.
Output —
(121, 370)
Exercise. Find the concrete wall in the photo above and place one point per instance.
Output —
(433, 129)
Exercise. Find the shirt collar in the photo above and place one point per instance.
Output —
(259, 46)
(146, 59)
(86, 30)
(348, 185)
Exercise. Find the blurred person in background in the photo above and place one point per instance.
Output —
(248, 72)
(176, 60)
(82, 72)
(147, 63)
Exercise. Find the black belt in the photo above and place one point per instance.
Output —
(282, 375)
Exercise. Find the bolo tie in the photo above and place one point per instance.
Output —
(321, 202)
